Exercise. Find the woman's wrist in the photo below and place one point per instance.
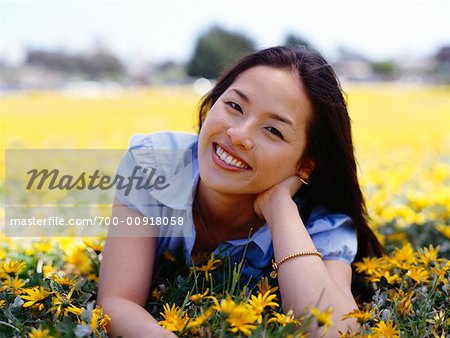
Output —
(277, 207)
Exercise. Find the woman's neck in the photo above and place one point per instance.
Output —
(227, 216)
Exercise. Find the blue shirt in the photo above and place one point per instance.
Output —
(174, 155)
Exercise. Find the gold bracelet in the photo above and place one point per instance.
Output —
(275, 266)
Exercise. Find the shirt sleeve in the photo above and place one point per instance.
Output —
(334, 236)
(138, 156)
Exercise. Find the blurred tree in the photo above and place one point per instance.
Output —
(386, 69)
(296, 41)
(98, 65)
(442, 65)
(217, 49)
(102, 64)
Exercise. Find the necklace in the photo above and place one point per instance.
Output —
(212, 239)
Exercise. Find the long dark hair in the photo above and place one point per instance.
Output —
(334, 181)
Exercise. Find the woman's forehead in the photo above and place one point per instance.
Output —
(276, 89)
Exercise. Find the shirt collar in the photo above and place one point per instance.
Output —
(262, 238)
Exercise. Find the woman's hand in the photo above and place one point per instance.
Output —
(279, 193)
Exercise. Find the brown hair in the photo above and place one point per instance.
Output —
(334, 181)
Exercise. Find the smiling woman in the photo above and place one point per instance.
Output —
(274, 180)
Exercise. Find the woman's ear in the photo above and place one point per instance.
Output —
(305, 168)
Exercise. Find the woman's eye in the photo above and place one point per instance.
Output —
(275, 131)
(235, 106)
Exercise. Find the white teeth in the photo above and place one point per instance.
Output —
(227, 158)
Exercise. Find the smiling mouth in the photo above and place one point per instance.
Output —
(229, 159)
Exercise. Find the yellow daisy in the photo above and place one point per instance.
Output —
(198, 296)
(386, 330)
(39, 333)
(323, 317)
(284, 319)
(13, 267)
(210, 265)
(34, 297)
(261, 301)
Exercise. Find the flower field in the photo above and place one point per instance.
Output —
(48, 285)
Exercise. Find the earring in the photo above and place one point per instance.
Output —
(304, 181)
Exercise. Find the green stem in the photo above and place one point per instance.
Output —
(10, 325)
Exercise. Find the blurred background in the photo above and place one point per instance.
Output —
(89, 74)
(95, 45)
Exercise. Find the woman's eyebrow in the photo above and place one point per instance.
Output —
(282, 119)
(241, 94)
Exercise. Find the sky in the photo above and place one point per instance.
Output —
(167, 30)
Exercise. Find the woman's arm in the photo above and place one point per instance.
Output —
(304, 280)
(125, 280)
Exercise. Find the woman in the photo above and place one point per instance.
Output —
(274, 166)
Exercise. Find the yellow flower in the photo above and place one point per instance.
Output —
(174, 320)
(226, 305)
(65, 281)
(419, 274)
(92, 277)
(39, 333)
(399, 237)
(99, 321)
(391, 279)
(242, 318)
(75, 310)
(284, 319)
(264, 286)
(200, 319)
(210, 265)
(43, 246)
(323, 318)
(386, 329)
(81, 263)
(95, 245)
(156, 294)
(15, 284)
(444, 229)
(34, 296)
(439, 318)
(399, 264)
(48, 270)
(404, 305)
(13, 267)
(198, 296)
(261, 301)
(369, 265)
(429, 255)
(405, 254)
(2, 302)
(361, 316)
(61, 303)
(441, 272)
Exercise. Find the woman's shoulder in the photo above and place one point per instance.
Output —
(321, 219)
(334, 234)
(163, 140)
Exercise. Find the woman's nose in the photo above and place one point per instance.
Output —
(240, 136)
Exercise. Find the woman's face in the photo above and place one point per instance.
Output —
(255, 133)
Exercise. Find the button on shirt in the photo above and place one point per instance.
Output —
(174, 156)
